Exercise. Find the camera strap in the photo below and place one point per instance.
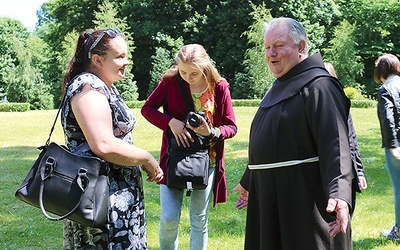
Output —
(189, 103)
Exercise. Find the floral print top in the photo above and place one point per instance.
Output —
(122, 117)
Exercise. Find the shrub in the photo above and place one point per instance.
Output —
(134, 104)
(246, 102)
(351, 93)
(358, 100)
(363, 103)
(14, 107)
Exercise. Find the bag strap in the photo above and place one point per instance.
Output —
(62, 103)
(188, 102)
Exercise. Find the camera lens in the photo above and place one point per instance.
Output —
(194, 120)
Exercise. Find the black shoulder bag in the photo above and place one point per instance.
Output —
(188, 167)
(67, 185)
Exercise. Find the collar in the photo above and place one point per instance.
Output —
(292, 82)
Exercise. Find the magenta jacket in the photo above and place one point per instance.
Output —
(168, 95)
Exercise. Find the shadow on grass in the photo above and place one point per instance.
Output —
(16, 217)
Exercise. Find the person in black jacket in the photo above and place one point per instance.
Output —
(387, 71)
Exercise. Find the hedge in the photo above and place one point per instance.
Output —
(14, 107)
(21, 107)
(134, 104)
(363, 103)
(235, 103)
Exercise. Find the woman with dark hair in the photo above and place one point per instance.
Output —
(387, 70)
(97, 122)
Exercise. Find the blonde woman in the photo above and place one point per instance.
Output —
(210, 94)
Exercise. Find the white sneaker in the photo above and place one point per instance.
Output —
(392, 234)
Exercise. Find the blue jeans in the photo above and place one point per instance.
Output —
(393, 168)
(171, 204)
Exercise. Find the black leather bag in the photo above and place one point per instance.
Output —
(67, 185)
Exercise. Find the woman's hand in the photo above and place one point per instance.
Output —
(153, 171)
(396, 153)
(182, 136)
(362, 183)
(204, 129)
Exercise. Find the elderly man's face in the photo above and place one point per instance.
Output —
(281, 53)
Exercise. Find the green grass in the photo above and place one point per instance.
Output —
(24, 227)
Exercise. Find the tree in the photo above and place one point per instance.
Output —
(56, 20)
(146, 20)
(376, 33)
(105, 18)
(21, 60)
(163, 59)
(342, 53)
(257, 78)
(211, 24)
(205, 22)
(208, 23)
(60, 19)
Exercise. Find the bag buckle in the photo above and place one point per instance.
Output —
(47, 168)
(189, 188)
(83, 179)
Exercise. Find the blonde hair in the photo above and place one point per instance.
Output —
(196, 55)
(329, 67)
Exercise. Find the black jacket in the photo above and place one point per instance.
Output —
(389, 112)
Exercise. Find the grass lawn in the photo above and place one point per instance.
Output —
(24, 227)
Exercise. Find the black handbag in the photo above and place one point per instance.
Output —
(188, 167)
(67, 185)
(188, 170)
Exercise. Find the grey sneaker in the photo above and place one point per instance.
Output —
(392, 235)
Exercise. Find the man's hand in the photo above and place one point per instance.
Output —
(243, 197)
(342, 216)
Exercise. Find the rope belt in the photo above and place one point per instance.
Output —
(283, 163)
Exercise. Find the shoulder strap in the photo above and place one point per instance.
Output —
(188, 102)
(55, 120)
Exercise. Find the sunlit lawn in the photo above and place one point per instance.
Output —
(23, 227)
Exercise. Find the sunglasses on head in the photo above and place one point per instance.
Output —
(112, 33)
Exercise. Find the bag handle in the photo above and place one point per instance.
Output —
(188, 102)
(82, 181)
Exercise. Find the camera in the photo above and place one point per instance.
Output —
(194, 118)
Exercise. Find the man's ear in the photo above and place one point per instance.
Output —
(302, 46)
